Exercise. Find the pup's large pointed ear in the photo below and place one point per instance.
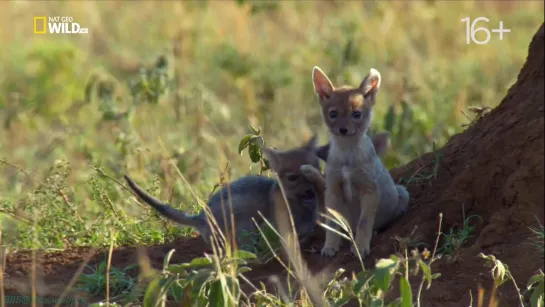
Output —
(370, 85)
(322, 85)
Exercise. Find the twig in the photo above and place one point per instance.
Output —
(16, 216)
(69, 204)
(16, 167)
(109, 201)
(102, 173)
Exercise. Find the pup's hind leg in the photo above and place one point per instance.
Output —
(403, 198)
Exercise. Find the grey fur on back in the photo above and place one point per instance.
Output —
(251, 195)
(246, 196)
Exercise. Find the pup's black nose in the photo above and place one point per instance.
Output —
(308, 194)
(343, 131)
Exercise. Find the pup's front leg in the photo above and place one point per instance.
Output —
(364, 228)
(333, 199)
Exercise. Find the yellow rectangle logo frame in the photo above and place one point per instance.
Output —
(36, 23)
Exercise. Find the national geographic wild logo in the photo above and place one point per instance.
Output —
(57, 25)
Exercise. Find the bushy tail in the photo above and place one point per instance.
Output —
(402, 199)
(167, 211)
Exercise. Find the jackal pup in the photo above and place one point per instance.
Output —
(358, 186)
(251, 194)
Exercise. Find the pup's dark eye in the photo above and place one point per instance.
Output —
(356, 114)
(333, 114)
(293, 177)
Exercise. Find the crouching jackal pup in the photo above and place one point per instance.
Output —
(358, 186)
(251, 194)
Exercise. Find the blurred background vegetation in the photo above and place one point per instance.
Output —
(160, 83)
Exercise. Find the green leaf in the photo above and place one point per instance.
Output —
(376, 302)
(243, 270)
(199, 283)
(362, 278)
(244, 255)
(406, 293)
(244, 143)
(534, 279)
(266, 163)
(537, 299)
(217, 295)
(257, 131)
(343, 301)
(397, 303)
(151, 297)
(255, 152)
(177, 269)
(389, 119)
(130, 267)
(426, 271)
(383, 273)
(500, 273)
(177, 291)
(166, 261)
(198, 263)
(232, 286)
(102, 268)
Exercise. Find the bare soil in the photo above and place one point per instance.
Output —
(494, 170)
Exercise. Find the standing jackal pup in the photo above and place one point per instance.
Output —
(358, 186)
(251, 194)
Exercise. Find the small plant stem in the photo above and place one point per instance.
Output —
(108, 266)
(34, 239)
(69, 204)
(3, 256)
(516, 288)
(109, 201)
(419, 293)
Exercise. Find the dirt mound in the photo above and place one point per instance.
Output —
(494, 170)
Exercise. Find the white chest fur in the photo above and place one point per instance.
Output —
(350, 160)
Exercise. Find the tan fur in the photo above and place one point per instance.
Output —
(358, 186)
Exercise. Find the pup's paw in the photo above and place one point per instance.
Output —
(308, 170)
(329, 251)
(363, 251)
